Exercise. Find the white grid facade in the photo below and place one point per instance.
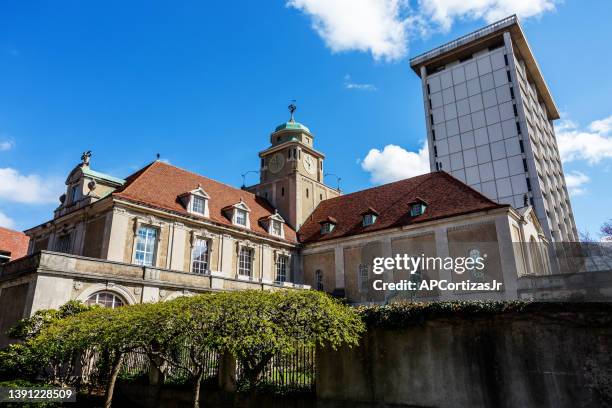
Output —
(487, 128)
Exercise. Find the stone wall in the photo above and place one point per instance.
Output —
(538, 359)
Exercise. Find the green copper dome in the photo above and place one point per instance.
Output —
(292, 125)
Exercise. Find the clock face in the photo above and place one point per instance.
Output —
(276, 163)
(310, 164)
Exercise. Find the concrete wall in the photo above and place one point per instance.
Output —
(538, 360)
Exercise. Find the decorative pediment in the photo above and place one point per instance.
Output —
(196, 201)
(274, 224)
(239, 214)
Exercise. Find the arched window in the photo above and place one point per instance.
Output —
(105, 299)
(319, 279)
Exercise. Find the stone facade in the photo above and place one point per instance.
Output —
(164, 232)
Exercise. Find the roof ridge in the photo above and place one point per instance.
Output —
(205, 177)
(382, 185)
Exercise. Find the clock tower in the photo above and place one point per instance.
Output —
(291, 172)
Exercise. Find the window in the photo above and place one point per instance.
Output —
(282, 262)
(327, 227)
(417, 209)
(74, 194)
(105, 299)
(199, 256)
(146, 242)
(319, 279)
(5, 257)
(363, 278)
(245, 262)
(63, 244)
(198, 204)
(241, 217)
(277, 228)
(369, 219)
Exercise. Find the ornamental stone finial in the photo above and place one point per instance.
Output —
(85, 157)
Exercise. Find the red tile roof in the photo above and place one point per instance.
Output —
(159, 185)
(14, 242)
(445, 197)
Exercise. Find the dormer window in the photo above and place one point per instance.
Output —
(328, 225)
(239, 214)
(196, 201)
(197, 204)
(417, 207)
(274, 224)
(241, 217)
(369, 217)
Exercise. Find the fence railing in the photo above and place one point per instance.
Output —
(293, 372)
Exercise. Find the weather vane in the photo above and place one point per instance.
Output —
(292, 108)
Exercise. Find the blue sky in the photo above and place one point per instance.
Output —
(205, 83)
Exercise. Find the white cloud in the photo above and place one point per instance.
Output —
(593, 144)
(29, 189)
(576, 181)
(6, 144)
(384, 27)
(445, 12)
(6, 221)
(349, 84)
(374, 26)
(395, 163)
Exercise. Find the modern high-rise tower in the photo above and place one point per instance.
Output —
(489, 120)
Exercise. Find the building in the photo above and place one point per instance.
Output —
(489, 116)
(13, 245)
(164, 232)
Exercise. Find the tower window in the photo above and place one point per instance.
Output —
(282, 191)
(512, 92)
(428, 90)
(262, 162)
(528, 183)
(435, 151)
(506, 59)
(525, 165)
(521, 145)
(515, 111)
(321, 197)
(306, 193)
(433, 134)
(278, 138)
(508, 75)
(518, 128)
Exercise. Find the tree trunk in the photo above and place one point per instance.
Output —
(196, 389)
(110, 388)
